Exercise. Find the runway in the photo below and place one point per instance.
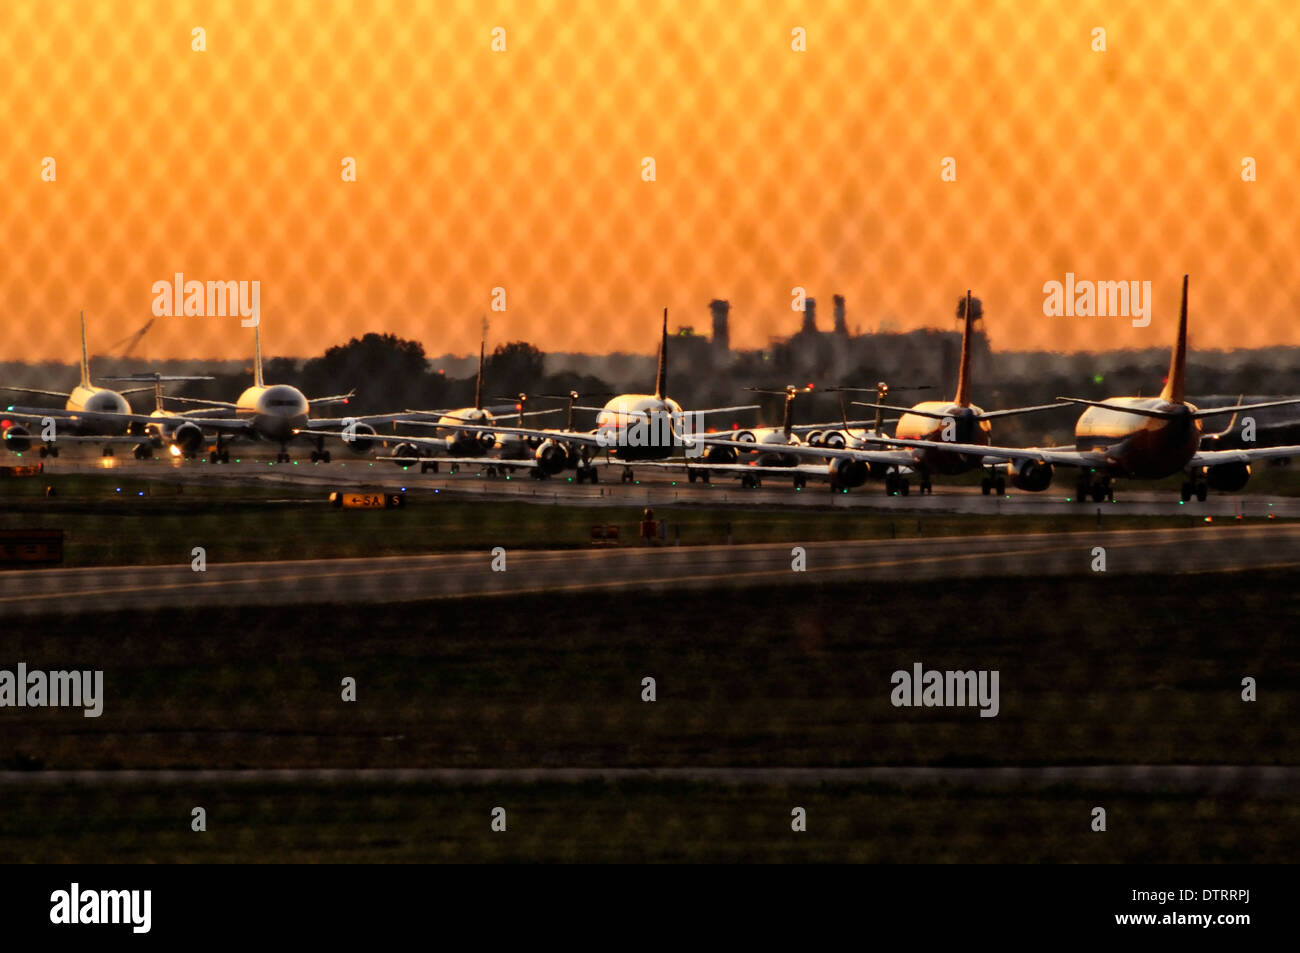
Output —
(1204, 548)
(659, 488)
(1211, 778)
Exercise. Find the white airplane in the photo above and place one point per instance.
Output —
(279, 413)
(90, 414)
(1144, 438)
(630, 427)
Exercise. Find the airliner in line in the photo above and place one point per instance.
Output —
(1139, 438)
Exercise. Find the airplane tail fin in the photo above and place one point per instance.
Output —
(257, 355)
(787, 421)
(661, 374)
(962, 399)
(85, 361)
(1174, 384)
(478, 381)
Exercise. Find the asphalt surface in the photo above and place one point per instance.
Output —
(658, 488)
(1213, 778)
(1203, 548)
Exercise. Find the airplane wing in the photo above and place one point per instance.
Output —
(707, 410)
(1211, 458)
(317, 423)
(205, 403)
(422, 419)
(1063, 457)
(1009, 412)
(525, 464)
(1014, 411)
(1215, 411)
(37, 414)
(813, 470)
(35, 390)
(898, 457)
(334, 399)
(429, 443)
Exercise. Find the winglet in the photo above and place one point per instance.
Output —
(85, 361)
(257, 355)
(963, 372)
(1174, 384)
(661, 375)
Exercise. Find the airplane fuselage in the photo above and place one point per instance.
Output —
(1148, 448)
(966, 427)
(98, 400)
(465, 443)
(640, 426)
(274, 412)
(768, 442)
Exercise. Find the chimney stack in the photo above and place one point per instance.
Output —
(841, 323)
(809, 316)
(721, 336)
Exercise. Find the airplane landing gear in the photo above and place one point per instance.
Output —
(49, 450)
(800, 481)
(144, 452)
(993, 485)
(750, 482)
(627, 475)
(1098, 490)
(108, 451)
(320, 454)
(897, 485)
(1200, 489)
(428, 465)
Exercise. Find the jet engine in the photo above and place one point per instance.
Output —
(829, 438)
(362, 438)
(1227, 477)
(1033, 476)
(486, 440)
(188, 437)
(406, 452)
(17, 438)
(849, 473)
(551, 456)
(718, 454)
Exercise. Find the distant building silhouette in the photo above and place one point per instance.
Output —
(809, 317)
(721, 334)
(841, 322)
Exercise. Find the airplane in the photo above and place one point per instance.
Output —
(916, 436)
(1143, 438)
(456, 445)
(90, 414)
(770, 448)
(629, 428)
(179, 432)
(279, 413)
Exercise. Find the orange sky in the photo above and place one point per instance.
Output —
(522, 169)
